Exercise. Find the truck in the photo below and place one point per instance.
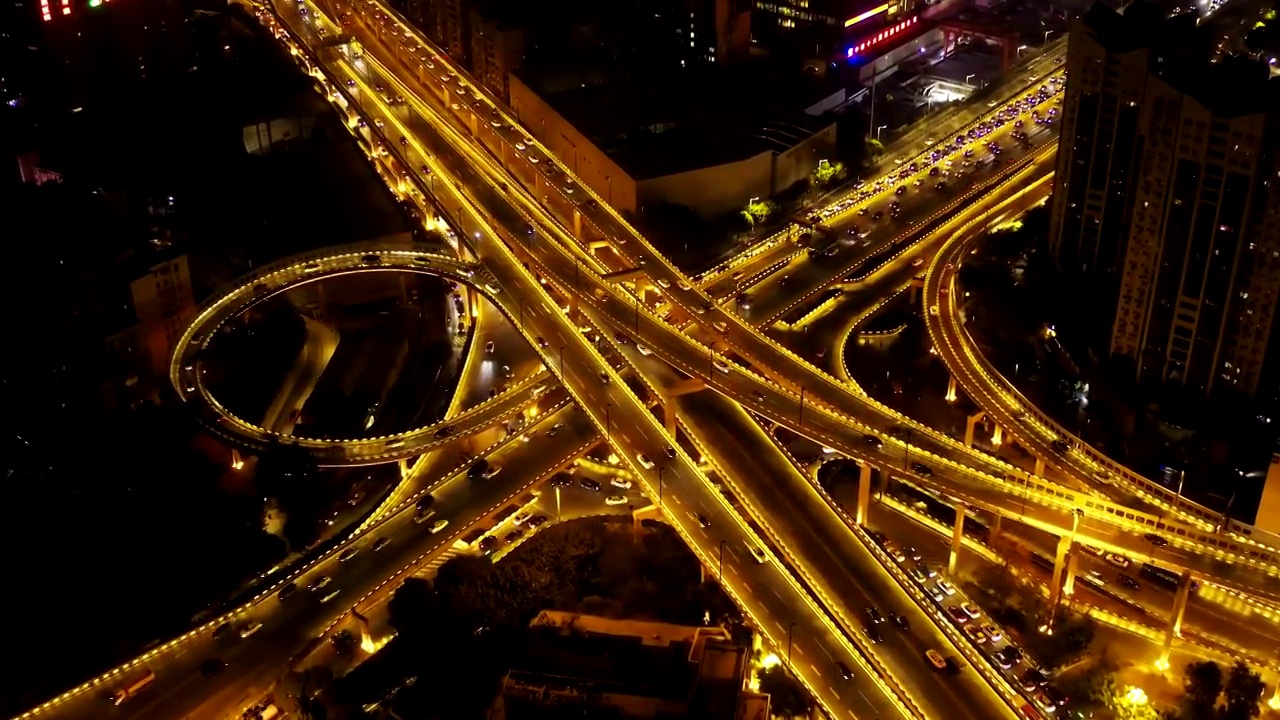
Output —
(133, 687)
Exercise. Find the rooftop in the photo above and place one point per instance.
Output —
(665, 123)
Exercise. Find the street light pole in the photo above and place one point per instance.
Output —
(789, 629)
(711, 358)
(800, 420)
(608, 432)
(562, 360)
(720, 572)
(637, 299)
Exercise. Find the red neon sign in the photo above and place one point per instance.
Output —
(883, 35)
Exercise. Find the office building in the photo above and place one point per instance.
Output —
(824, 28)
(1166, 212)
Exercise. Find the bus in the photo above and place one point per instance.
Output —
(1165, 578)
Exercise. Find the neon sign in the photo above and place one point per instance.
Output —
(883, 35)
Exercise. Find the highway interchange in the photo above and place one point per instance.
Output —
(528, 258)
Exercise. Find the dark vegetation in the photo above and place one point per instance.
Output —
(458, 634)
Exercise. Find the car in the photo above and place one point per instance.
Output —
(212, 667)
(331, 595)
(1029, 713)
(935, 659)
(970, 610)
(920, 574)
(320, 583)
(537, 521)
(1007, 657)
(873, 441)
(922, 469)
(438, 525)
(562, 480)
(615, 500)
(900, 621)
(1156, 540)
(348, 554)
(644, 461)
(917, 262)
(287, 590)
(1119, 561)
(521, 518)
(912, 553)
(946, 587)
(975, 633)
(872, 631)
(488, 544)
(701, 519)
(844, 670)
(1055, 696)
(443, 432)
(620, 482)
(371, 259)
(874, 615)
(489, 347)
(1032, 679)
(758, 553)
(993, 632)
(425, 502)
(1060, 446)
(542, 342)
(1129, 582)
(589, 484)
(250, 629)
(381, 543)
(670, 452)
(958, 615)
(604, 377)
(513, 536)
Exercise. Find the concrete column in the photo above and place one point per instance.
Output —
(405, 467)
(473, 122)
(864, 493)
(997, 437)
(1039, 471)
(951, 389)
(1175, 618)
(1073, 566)
(1059, 566)
(577, 224)
(972, 423)
(669, 415)
(957, 537)
(993, 531)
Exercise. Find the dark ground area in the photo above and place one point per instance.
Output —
(479, 613)
(126, 524)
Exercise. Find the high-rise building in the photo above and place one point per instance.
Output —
(821, 28)
(1167, 205)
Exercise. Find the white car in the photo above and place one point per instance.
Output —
(644, 461)
(250, 629)
(521, 518)
(666, 284)
(438, 525)
(331, 595)
(615, 500)
(946, 587)
(759, 554)
(643, 350)
(622, 483)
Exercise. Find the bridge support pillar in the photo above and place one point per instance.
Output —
(577, 224)
(997, 437)
(1073, 566)
(993, 531)
(1039, 470)
(951, 389)
(669, 415)
(406, 467)
(1059, 567)
(1174, 629)
(864, 493)
(957, 538)
(972, 423)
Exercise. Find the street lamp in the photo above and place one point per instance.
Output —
(608, 433)
(878, 129)
(720, 572)
(789, 629)
(800, 420)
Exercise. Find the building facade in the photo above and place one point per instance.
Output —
(1166, 200)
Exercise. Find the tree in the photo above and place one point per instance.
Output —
(1201, 686)
(787, 697)
(826, 173)
(413, 605)
(1242, 693)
